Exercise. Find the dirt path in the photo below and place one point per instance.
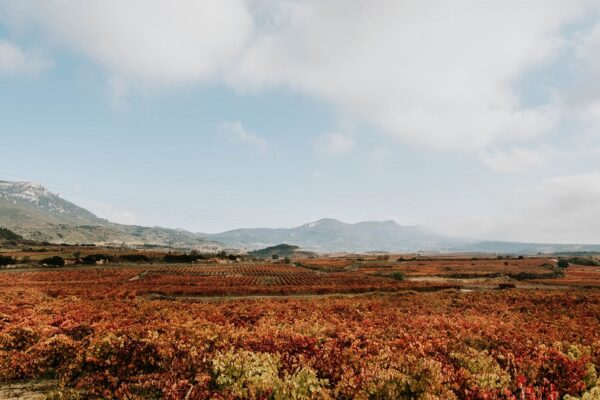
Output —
(460, 289)
(153, 296)
(35, 390)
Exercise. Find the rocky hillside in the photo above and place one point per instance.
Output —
(32, 211)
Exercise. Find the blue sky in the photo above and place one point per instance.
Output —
(212, 116)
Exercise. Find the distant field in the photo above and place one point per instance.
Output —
(314, 276)
(203, 280)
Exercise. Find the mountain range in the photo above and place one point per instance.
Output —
(35, 213)
(333, 235)
(330, 235)
(32, 211)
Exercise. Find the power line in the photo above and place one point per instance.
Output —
(127, 200)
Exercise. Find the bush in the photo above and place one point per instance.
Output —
(134, 258)
(399, 276)
(6, 234)
(6, 260)
(563, 263)
(92, 259)
(503, 286)
(584, 261)
(55, 261)
(182, 258)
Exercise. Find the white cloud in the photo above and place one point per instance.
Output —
(152, 43)
(562, 209)
(515, 160)
(13, 60)
(432, 73)
(588, 48)
(438, 74)
(335, 143)
(584, 96)
(236, 130)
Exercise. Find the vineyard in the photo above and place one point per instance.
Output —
(465, 267)
(205, 280)
(506, 344)
(578, 276)
(313, 329)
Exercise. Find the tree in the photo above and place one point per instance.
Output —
(563, 263)
(6, 234)
(55, 261)
(275, 256)
(6, 260)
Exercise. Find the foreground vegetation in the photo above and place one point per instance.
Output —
(151, 325)
(503, 344)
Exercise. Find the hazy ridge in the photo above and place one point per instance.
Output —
(32, 211)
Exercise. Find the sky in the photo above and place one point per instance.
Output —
(478, 119)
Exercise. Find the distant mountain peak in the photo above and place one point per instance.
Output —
(30, 191)
(36, 196)
(323, 222)
(336, 223)
(330, 234)
(32, 211)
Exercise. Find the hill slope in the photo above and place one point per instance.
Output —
(281, 251)
(334, 235)
(330, 235)
(35, 213)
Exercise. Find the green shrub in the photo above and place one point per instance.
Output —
(398, 275)
(6, 234)
(584, 261)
